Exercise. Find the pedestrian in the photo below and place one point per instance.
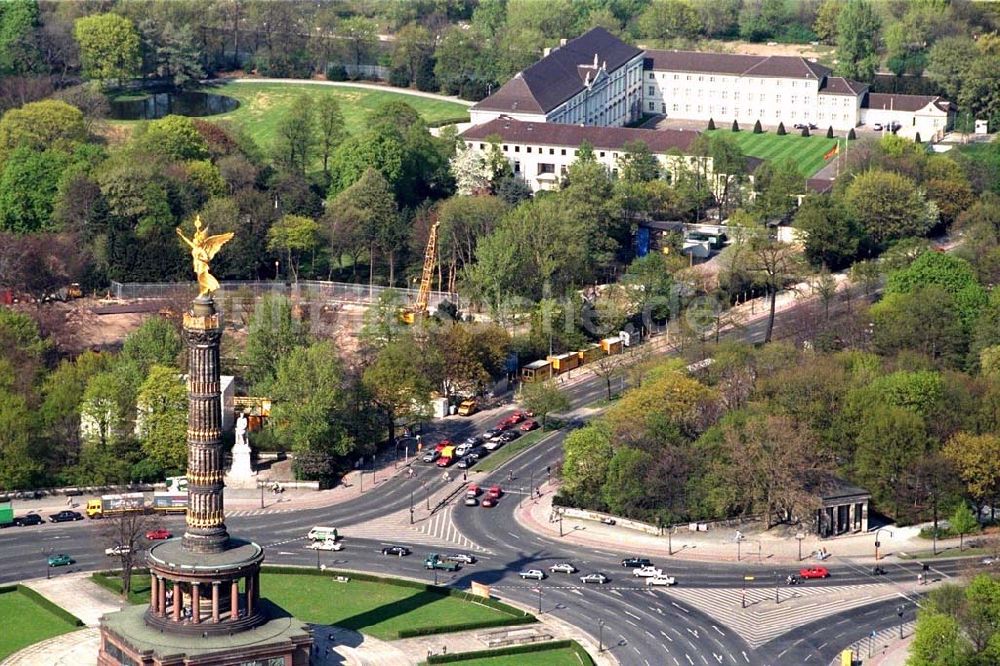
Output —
(465, 476)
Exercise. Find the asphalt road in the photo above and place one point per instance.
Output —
(639, 625)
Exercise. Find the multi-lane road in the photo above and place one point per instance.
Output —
(699, 621)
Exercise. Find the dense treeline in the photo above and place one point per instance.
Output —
(469, 47)
(110, 418)
(957, 626)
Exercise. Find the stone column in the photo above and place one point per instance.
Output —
(196, 602)
(206, 528)
(256, 585)
(162, 588)
(178, 598)
(215, 601)
(251, 594)
(234, 600)
(154, 595)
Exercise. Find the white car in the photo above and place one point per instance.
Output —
(493, 444)
(117, 551)
(537, 574)
(563, 567)
(462, 449)
(598, 578)
(463, 558)
(990, 561)
(647, 572)
(328, 544)
(661, 580)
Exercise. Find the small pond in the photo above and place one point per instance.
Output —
(155, 104)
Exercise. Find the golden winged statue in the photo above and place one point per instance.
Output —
(203, 248)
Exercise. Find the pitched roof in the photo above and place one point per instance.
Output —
(557, 134)
(561, 74)
(905, 102)
(731, 63)
(819, 185)
(838, 85)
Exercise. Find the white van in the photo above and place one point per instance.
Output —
(323, 534)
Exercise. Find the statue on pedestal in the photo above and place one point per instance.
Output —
(241, 473)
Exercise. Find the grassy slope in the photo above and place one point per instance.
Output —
(377, 609)
(508, 451)
(807, 152)
(559, 657)
(262, 105)
(25, 623)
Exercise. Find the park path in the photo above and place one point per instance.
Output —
(345, 84)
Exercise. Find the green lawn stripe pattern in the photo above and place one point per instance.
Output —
(559, 657)
(806, 152)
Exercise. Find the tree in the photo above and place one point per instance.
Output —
(109, 47)
(361, 35)
(762, 19)
(126, 531)
(294, 235)
(773, 265)
(162, 409)
(977, 460)
(155, 342)
(925, 320)
(980, 90)
(757, 129)
(380, 148)
(949, 63)
(825, 25)
(28, 186)
(637, 164)
(729, 164)
(665, 20)
(272, 334)
(369, 201)
(964, 522)
(777, 187)
(587, 453)
(18, 52)
(625, 491)
(311, 398)
(174, 53)
(295, 136)
(858, 28)
(952, 274)
(174, 137)
(888, 206)
(937, 641)
(332, 132)
(470, 171)
(20, 467)
(397, 384)
(833, 238)
(544, 398)
(47, 125)
(781, 129)
(413, 48)
(889, 440)
(456, 59)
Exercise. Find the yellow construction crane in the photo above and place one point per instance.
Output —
(419, 309)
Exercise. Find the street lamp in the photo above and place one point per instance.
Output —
(879, 543)
(799, 537)
(739, 544)
(46, 552)
(899, 611)
(776, 599)
(261, 493)
(411, 507)
(277, 275)
(600, 636)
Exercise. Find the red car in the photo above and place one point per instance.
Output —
(516, 417)
(158, 535)
(814, 572)
(488, 502)
(495, 492)
(528, 426)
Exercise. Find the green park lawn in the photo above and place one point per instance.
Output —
(374, 608)
(26, 622)
(263, 105)
(555, 657)
(807, 152)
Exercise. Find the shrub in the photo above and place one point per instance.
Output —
(829, 132)
(399, 78)
(917, 138)
(711, 123)
(805, 131)
(851, 136)
(757, 129)
(510, 650)
(781, 129)
(336, 73)
(736, 126)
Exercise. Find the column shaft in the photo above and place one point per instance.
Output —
(215, 601)
(178, 597)
(196, 602)
(234, 600)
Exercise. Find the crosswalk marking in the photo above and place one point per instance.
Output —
(762, 620)
(880, 643)
(442, 527)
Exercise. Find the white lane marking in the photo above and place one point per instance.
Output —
(679, 607)
(718, 657)
(690, 661)
(693, 632)
(745, 656)
(721, 633)
(633, 615)
(665, 636)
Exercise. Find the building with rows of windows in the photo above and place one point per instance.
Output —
(596, 79)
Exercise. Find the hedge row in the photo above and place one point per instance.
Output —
(448, 121)
(513, 649)
(45, 603)
(466, 626)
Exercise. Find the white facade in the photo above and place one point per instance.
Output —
(747, 99)
(608, 99)
(930, 121)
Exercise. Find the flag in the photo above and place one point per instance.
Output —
(833, 151)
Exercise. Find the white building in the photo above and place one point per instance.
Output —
(747, 88)
(594, 79)
(926, 115)
(540, 153)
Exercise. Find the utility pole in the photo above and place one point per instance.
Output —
(411, 507)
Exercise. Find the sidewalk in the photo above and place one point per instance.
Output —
(717, 545)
